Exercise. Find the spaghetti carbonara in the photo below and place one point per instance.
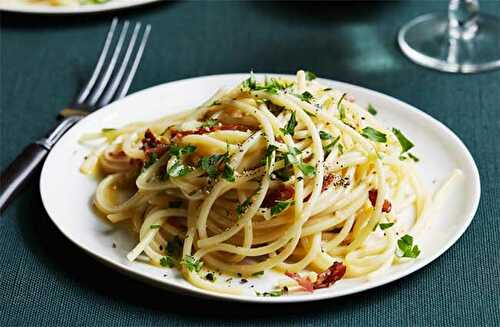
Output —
(282, 174)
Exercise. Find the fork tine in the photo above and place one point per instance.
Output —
(125, 86)
(103, 81)
(111, 90)
(100, 62)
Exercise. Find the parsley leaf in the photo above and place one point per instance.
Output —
(269, 153)
(405, 143)
(279, 207)
(178, 169)
(249, 84)
(308, 170)
(405, 244)
(283, 174)
(242, 207)
(168, 261)
(290, 126)
(191, 263)
(179, 151)
(228, 173)
(211, 122)
(310, 75)
(107, 130)
(330, 146)
(291, 157)
(270, 293)
(374, 135)
(258, 273)
(372, 110)
(325, 136)
(154, 226)
(306, 96)
(384, 226)
(413, 157)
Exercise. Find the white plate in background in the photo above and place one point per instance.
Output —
(67, 194)
(44, 8)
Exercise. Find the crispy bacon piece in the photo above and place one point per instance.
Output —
(304, 282)
(282, 193)
(325, 279)
(372, 195)
(327, 180)
(218, 127)
(328, 277)
(151, 144)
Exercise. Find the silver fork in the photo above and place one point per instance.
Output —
(110, 81)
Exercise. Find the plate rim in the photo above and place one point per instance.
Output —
(198, 292)
(73, 10)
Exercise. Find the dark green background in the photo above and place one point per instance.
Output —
(46, 280)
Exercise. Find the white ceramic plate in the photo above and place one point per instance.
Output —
(67, 194)
(42, 8)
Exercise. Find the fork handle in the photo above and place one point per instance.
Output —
(14, 178)
(22, 168)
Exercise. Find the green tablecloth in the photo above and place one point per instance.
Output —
(46, 280)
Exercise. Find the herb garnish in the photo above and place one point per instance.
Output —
(168, 261)
(291, 157)
(329, 147)
(306, 96)
(374, 135)
(191, 263)
(210, 165)
(384, 226)
(273, 85)
(270, 293)
(258, 273)
(413, 157)
(372, 110)
(324, 135)
(242, 207)
(405, 143)
(107, 130)
(310, 75)
(269, 153)
(179, 151)
(211, 122)
(283, 174)
(405, 244)
(154, 226)
(290, 126)
(279, 207)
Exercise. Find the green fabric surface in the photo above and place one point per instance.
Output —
(46, 280)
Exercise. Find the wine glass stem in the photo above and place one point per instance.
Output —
(463, 15)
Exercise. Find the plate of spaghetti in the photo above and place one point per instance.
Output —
(261, 187)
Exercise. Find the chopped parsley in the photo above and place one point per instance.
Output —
(272, 85)
(290, 126)
(325, 136)
(283, 174)
(178, 169)
(211, 122)
(258, 273)
(242, 207)
(179, 151)
(279, 207)
(414, 158)
(374, 135)
(154, 226)
(329, 147)
(310, 75)
(249, 84)
(107, 130)
(384, 226)
(306, 96)
(405, 244)
(339, 104)
(168, 261)
(341, 149)
(211, 163)
(269, 153)
(405, 143)
(291, 157)
(191, 263)
(372, 110)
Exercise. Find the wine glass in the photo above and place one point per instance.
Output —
(464, 41)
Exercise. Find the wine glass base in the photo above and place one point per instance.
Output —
(426, 41)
